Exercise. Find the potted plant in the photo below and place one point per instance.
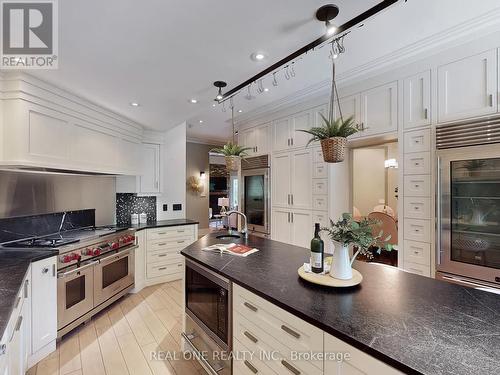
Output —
(233, 153)
(348, 232)
(333, 137)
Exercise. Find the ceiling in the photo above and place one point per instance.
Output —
(161, 53)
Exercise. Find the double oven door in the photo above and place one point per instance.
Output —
(81, 289)
(468, 217)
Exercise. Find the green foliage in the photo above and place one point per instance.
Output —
(231, 149)
(335, 128)
(347, 232)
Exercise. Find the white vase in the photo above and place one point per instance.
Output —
(341, 264)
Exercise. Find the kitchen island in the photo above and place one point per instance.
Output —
(411, 323)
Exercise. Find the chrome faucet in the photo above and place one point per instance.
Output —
(244, 231)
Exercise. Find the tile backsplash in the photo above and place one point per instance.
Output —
(128, 204)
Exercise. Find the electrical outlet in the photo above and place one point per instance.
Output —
(177, 207)
(165, 207)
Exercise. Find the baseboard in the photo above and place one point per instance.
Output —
(34, 358)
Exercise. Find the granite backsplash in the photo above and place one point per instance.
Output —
(128, 204)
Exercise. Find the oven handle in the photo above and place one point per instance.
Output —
(199, 355)
(62, 275)
(439, 212)
(117, 256)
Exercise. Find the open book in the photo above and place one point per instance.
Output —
(232, 248)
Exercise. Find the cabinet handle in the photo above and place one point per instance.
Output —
(288, 198)
(291, 141)
(162, 233)
(162, 268)
(292, 198)
(162, 244)
(251, 337)
(181, 241)
(179, 265)
(256, 148)
(288, 141)
(288, 216)
(290, 331)
(180, 230)
(17, 302)
(162, 255)
(19, 322)
(289, 367)
(53, 270)
(3, 349)
(292, 216)
(26, 283)
(491, 100)
(250, 306)
(426, 113)
(250, 366)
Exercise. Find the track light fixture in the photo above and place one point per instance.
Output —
(220, 85)
(326, 14)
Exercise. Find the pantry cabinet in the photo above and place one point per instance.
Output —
(417, 100)
(468, 87)
(287, 134)
(292, 179)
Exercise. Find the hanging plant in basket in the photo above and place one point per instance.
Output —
(232, 153)
(333, 137)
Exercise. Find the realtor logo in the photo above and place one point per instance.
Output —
(28, 34)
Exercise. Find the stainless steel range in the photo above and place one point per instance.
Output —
(94, 269)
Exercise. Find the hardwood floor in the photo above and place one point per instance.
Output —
(121, 338)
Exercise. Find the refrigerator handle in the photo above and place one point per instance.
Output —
(438, 211)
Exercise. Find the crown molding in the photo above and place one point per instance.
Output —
(205, 141)
(452, 37)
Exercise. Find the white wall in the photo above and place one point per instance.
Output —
(173, 174)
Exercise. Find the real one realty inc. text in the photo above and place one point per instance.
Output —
(247, 355)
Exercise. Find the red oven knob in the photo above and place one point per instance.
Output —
(75, 256)
(96, 252)
(114, 245)
(65, 259)
(88, 251)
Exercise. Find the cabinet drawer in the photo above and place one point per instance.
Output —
(318, 155)
(164, 256)
(290, 331)
(320, 202)
(248, 363)
(417, 208)
(419, 269)
(417, 163)
(417, 230)
(170, 233)
(259, 341)
(320, 186)
(417, 186)
(417, 252)
(320, 170)
(178, 243)
(321, 218)
(163, 269)
(417, 141)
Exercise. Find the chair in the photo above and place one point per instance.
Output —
(387, 224)
(384, 209)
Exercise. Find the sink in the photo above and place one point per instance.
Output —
(227, 236)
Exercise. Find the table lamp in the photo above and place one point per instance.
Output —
(223, 202)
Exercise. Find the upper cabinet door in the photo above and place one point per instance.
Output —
(247, 139)
(379, 109)
(350, 106)
(150, 171)
(261, 136)
(468, 87)
(417, 100)
(301, 177)
(317, 120)
(281, 191)
(281, 134)
(301, 121)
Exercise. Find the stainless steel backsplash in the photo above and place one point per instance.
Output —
(35, 193)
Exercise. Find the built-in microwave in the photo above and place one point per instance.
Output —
(208, 317)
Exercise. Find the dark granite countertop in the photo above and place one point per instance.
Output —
(163, 223)
(13, 267)
(413, 323)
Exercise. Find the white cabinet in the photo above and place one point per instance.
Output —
(358, 362)
(292, 226)
(257, 139)
(417, 100)
(351, 107)
(468, 87)
(292, 179)
(44, 303)
(287, 134)
(379, 110)
(148, 181)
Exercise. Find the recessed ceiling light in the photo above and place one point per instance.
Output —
(266, 89)
(193, 101)
(258, 56)
(240, 110)
(213, 105)
(134, 104)
(201, 121)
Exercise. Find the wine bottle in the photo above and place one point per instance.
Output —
(317, 251)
